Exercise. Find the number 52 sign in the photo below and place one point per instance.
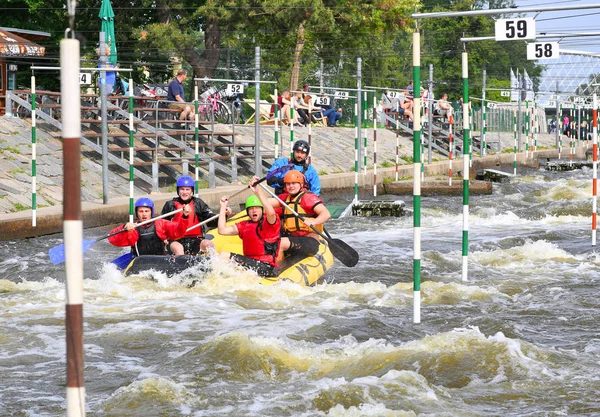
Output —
(542, 50)
(515, 29)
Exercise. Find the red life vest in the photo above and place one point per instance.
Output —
(260, 244)
(191, 220)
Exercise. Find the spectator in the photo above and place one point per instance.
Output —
(443, 107)
(566, 126)
(302, 109)
(285, 104)
(409, 87)
(110, 77)
(176, 94)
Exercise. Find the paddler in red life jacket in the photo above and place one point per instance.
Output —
(297, 235)
(193, 241)
(149, 239)
(260, 234)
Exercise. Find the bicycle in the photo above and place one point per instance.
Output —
(215, 110)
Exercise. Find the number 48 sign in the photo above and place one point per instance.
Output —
(542, 50)
(515, 29)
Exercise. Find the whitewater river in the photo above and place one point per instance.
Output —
(520, 338)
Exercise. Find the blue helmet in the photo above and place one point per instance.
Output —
(186, 181)
(145, 202)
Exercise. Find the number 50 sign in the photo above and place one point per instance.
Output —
(515, 29)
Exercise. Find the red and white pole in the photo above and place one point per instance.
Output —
(374, 146)
(450, 147)
(72, 224)
(594, 166)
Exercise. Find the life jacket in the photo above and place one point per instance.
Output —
(148, 243)
(291, 222)
(256, 246)
(191, 220)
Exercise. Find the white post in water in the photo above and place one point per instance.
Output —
(33, 157)
(72, 224)
(131, 151)
(196, 141)
(466, 121)
(450, 147)
(594, 165)
(356, 146)
(515, 141)
(416, 177)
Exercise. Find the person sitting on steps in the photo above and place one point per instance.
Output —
(176, 94)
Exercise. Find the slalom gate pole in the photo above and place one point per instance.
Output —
(276, 133)
(515, 141)
(72, 224)
(397, 145)
(536, 131)
(364, 120)
(422, 145)
(470, 141)
(309, 157)
(33, 156)
(196, 140)
(483, 150)
(560, 131)
(466, 139)
(571, 138)
(450, 147)
(527, 125)
(374, 145)
(594, 166)
(131, 151)
(416, 177)
(356, 145)
(292, 128)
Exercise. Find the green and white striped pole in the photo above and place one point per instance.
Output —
(364, 120)
(527, 128)
(276, 133)
(356, 145)
(416, 178)
(537, 127)
(515, 141)
(131, 146)
(466, 139)
(292, 128)
(197, 141)
(33, 156)
(374, 145)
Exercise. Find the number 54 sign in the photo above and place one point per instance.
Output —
(515, 29)
(542, 50)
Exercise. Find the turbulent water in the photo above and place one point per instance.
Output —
(519, 338)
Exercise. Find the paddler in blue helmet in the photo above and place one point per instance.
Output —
(260, 234)
(193, 241)
(301, 151)
(150, 238)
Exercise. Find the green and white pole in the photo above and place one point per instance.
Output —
(466, 123)
(33, 157)
(374, 145)
(527, 128)
(560, 130)
(131, 146)
(197, 141)
(537, 127)
(515, 141)
(364, 120)
(276, 133)
(416, 178)
(292, 129)
(422, 143)
(356, 145)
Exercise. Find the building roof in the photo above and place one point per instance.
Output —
(13, 45)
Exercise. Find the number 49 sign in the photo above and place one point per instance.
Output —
(515, 29)
(542, 50)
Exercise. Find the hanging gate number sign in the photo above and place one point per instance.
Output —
(515, 29)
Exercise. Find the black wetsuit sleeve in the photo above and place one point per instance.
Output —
(203, 212)
(167, 208)
(274, 180)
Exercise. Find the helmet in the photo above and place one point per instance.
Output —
(186, 181)
(301, 145)
(145, 202)
(294, 176)
(253, 201)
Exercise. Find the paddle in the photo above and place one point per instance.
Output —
(57, 253)
(340, 249)
(269, 175)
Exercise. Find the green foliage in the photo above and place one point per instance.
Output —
(322, 172)
(386, 164)
(18, 207)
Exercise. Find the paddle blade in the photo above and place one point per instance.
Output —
(57, 253)
(122, 261)
(343, 252)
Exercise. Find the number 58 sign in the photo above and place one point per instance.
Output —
(542, 50)
(515, 29)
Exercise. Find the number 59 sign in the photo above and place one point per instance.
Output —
(515, 29)
(542, 50)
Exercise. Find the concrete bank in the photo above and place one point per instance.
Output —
(49, 219)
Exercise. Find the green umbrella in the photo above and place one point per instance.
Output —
(107, 16)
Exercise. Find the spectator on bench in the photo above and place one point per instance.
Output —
(176, 94)
(443, 107)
